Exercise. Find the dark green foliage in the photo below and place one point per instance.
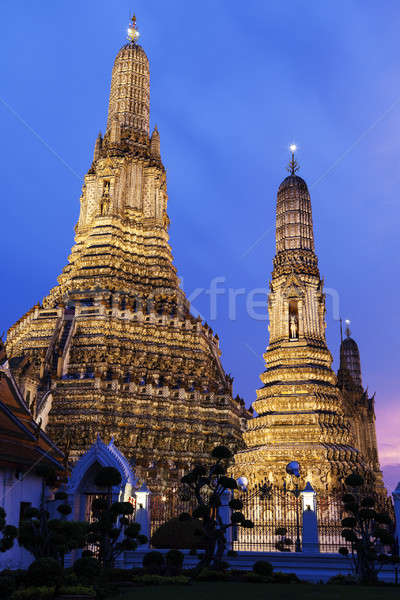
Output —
(174, 562)
(349, 522)
(236, 504)
(367, 529)
(348, 499)
(8, 533)
(251, 577)
(184, 517)
(34, 593)
(284, 543)
(108, 477)
(342, 580)
(44, 571)
(87, 568)
(178, 534)
(149, 579)
(213, 575)
(64, 509)
(47, 593)
(99, 504)
(111, 530)
(221, 452)
(47, 473)
(232, 553)
(237, 517)
(279, 577)
(209, 489)
(51, 537)
(228, 483)
(153, 563)
(263, 567)
(59, 495)
(354, 480)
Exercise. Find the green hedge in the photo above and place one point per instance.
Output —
(179, 535)
(160, 580)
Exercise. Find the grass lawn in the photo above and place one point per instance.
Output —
(260, 591)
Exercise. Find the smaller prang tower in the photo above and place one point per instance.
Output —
(301, 411)
(359, 407)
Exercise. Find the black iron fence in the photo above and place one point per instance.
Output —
(277, 517)
(166, 506)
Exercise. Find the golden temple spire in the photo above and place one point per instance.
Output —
(133, 33)
(293, 166)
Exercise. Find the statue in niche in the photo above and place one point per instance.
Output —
(105, 199)
(293, 327)
(293, 320)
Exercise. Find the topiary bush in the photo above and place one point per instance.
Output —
(342, 580)
(8, 533)
(153, 563)
(159, 580)
(44, 571)
(87, 568)
(174, 562)
(179, 534)
(34, 593)
(263, 567)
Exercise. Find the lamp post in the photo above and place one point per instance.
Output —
(293, 469)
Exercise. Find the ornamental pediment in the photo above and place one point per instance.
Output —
(293, 287)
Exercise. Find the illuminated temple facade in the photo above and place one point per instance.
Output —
(113, 349)
(305, 413)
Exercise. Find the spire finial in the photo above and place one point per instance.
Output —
(348, 332)
(341, 330)
(293, 165)
(133, 33)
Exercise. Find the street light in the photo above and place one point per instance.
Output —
(293, 469)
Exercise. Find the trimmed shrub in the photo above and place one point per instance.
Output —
(280, 577)
(153, 563)
(174, 562)
(232, 553)
(263, 568)
(342, 580)
(44, 571)
(77, 590)
(254, 578)
(159, 580)
(108, 477)
(34, 593)
(211, 575)
(177, 534)
(87, 568)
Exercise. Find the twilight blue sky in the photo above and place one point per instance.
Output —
(232, 84)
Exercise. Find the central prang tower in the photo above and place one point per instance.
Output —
(300, 409)
(113, 349)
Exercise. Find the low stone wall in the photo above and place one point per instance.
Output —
(309, 567)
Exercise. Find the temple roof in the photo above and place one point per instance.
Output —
(22, 443)
(291, 181)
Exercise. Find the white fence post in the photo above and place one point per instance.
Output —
(225, 512)
(143, 512)
(310, 521)
(396, 502)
